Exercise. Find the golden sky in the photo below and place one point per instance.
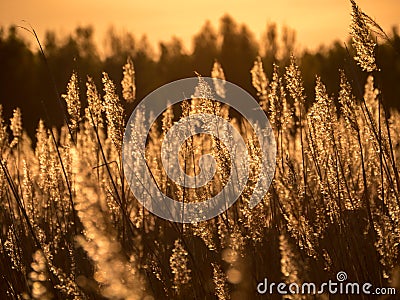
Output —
(315, 21)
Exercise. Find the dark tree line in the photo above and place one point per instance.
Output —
(26, 80)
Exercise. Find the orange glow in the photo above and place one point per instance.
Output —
(316, 22)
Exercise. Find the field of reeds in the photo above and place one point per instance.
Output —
(72, 229)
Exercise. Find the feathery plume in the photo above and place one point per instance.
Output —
(114, 112)
(295, 86)
(260, 82)
(16, 127)
(94, 109)
(347, 101)
(362, 42)
(128, 81)
(218, 73)
(72, 100)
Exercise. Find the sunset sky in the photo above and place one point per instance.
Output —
(315, 21)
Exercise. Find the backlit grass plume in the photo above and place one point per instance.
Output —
(72, 229)
(362, 40)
